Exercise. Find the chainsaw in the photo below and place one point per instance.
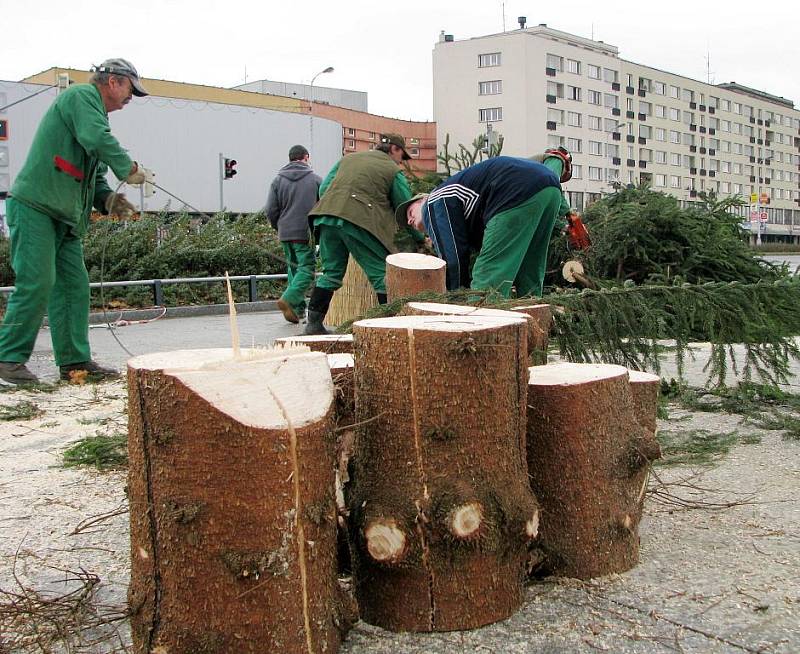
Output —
(577, 239)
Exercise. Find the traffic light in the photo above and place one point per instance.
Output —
(230, 168)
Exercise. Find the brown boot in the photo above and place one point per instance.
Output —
(13, 372)
(287, 311)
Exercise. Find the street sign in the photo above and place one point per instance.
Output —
(763, 216)
(753, 198)
(754, 215)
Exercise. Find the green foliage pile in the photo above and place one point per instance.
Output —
(644, 236)
(101, 452)
(164, 247)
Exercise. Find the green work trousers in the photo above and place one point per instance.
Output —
(300, 257)
(50, 275)
(515, 243)
(337, 242)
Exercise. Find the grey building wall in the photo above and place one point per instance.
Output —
(338, 97)
(181, 141)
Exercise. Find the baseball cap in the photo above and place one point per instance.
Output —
(125, 68)
(297, 152)
(399, 141)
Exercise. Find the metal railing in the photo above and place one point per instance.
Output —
(158, 284)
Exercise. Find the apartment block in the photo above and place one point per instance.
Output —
(623, 121)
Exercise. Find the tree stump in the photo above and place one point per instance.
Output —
(327, 343)
(353, 299)
(440, 506)
(645, 389)
(541, 316)
(585, 445)
(408, 274)
(231, 488)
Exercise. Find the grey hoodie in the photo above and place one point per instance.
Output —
(291, 195)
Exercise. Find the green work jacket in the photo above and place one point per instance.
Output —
(64, 174)
(364, 188)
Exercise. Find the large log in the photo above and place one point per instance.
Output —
(440, 506)
(585, 445)
(408, 274)
(233, 521)
(327, 343)
(645, 389)
(541, 316)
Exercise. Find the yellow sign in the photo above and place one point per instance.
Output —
(764, 198)
(753, 198)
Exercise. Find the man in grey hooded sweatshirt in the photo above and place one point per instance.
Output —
(292, 194)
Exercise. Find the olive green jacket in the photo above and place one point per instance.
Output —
(64, 174)
(364, 188)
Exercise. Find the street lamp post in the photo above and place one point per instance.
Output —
(329, 69)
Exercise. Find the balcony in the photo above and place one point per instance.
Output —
(642, 163)
(712, 152)
(630, 138)
(768, 162)
(551, 124)
(752, 119)
(550, 72)
(752, 179)
(767, 123)
(692, 171)
(692, 105)
(630, 163)
(752, 139)
(711, 110)
(712, 173)
(692, 128)
(642, 140)
(616, 136)
(642, 93)
(702, 172)
(702, 129)
(712, 131)
(767, 180)
(760, 122)
(642, 116)
(629, 114)
(551, 99)
(615, 86)
(616, 161)
(692, 193)
(702, 107)
(752, 159)
(630, 90)
(760, 141)
(702, 150)
(615, 111)
(692, 148)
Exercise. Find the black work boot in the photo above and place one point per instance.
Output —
(382, 299)
(317, 310)
(13, 372)
(94, 371)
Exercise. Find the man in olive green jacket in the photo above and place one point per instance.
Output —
(355, 215)
(48, 213)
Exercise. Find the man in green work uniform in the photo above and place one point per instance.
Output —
(355, 216)
(48, 213)
(504, 208)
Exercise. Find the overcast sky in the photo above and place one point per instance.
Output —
(385, 48)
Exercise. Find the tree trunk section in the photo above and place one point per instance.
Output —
(327, 343)
(353, 299)
(584, 444)
(233, 521)
(409, 274)
(440, 507)
(645, 389)
(541, 320)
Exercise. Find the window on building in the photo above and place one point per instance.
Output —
(660, 157)
(595, 173)
(573, 93)
(612, 150)
(674, 91)
(555, 116)
(688, 139)
(574, 145)
(612, 175)
(661, 134)
(674, 181)
(688, 161)
(596, 148)
(675, 158)
(713, 123)
(488, 59)
(737, 169)
(492, 87)
(645, 84)
(556, 89)
(713, 102)
(553, 140)
(573, 66)
(645, 108)
(594, 97)
(351, 144)
(577, 171)
(413, 140)
(351, 131)
(490, 114)
(610, 75)
(659, 88)
(725, 126)
(687, 95)
(737, 189)
(688, 118)
(724, 104)
(674, 114)
(610, 100)
(611, 124)
(573, 119)
(595, 123)
(674, 136)
(725, 187)
(713, 164)
(593, 72)
(661, 111)
(660, 180)
(554, 61)
(414, 152)
(737, 108)
(713, 144)
(645, 131)
(371, 136)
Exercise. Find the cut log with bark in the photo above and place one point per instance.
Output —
(541, 316)
(409, 274)
(327, 343)
(440, 506)
(231, 488)
(353, 299)
(645, 388)
(584, 459)
(442, 309)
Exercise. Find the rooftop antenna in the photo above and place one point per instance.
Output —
(503, 8)
(709, 72)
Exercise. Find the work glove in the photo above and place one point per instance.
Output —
(139, 176)
(117, 204)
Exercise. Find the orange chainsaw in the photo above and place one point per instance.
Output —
(577, 234)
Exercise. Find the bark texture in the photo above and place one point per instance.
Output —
(408, 274)
(440, 506)
(233, 523)
(645, 389)
(584, 444)
(541, 320)
(327, 343)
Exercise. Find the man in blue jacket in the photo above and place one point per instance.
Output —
(292, 194)
(504, 209)
(48, 213)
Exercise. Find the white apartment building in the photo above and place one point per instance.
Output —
(622, 121)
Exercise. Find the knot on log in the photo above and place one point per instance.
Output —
(386, 542)
(465, 521)
(532, 526)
